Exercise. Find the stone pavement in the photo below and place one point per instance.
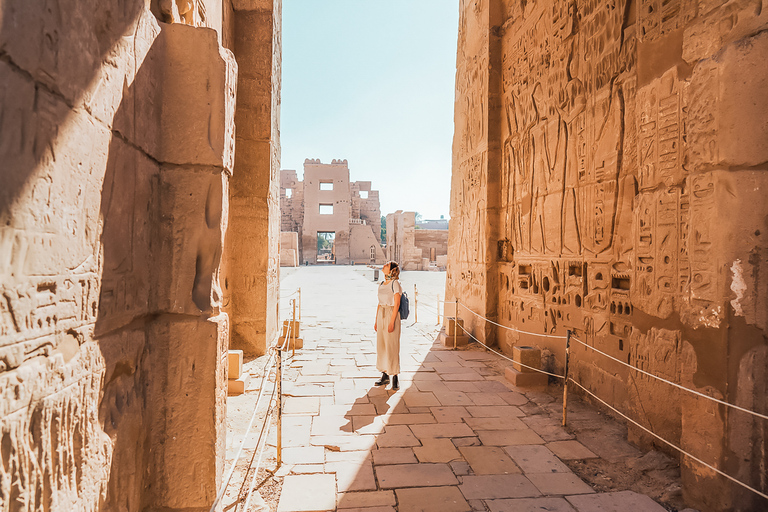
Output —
(456, 436)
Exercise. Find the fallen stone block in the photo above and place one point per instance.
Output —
(234, 364)
(237, 386)
(526, 380)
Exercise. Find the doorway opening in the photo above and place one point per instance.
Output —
(326, 249)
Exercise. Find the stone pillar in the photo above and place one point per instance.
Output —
(252, 261)
(476, 161)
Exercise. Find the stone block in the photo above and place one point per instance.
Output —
(237, 386)
(450, 326)
(526, 380)
(447, 340)
(297, 343)
(529, 356)
(234, 364)
(295, 328)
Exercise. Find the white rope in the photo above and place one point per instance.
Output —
(763, 416)
(505, 357)
(225, 484)
(264, 434)
(553, 336)
(668, 443)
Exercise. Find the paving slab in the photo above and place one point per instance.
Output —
(420, 399)
(454, 414)
(452, 398)
(495, 424)
(559, 483)
(570, 450)
(509, 437)
(304, 455)
(387, 456)
(623, 501)
(488, 487)
(531, 505)
(442, 430)
(301, 405)
(296, 488)
(489, 460)
(415, 475)
(536, 459)
(397, 436)
(494, 411)
(431, 499)
(436, 450)
(484, 398)
(365, 499)
(352, 477)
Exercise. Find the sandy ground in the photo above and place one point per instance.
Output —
(333, 297)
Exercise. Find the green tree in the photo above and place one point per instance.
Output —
(383, 230)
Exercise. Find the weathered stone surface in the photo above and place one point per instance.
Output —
(607, 165)
(117, 145)
(487, 487)
(615, 502)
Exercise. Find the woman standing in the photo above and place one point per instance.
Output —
(387, 326)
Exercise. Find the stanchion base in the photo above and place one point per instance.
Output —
(447, 339)
(526, 380)
(298, 341)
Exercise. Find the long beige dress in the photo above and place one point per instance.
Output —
(388, 343)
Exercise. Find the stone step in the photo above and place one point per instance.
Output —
(237, 386)
(526, 380)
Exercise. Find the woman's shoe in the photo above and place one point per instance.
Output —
(383, 381)
(395, 383)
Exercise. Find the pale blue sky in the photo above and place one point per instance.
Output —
(372, 81)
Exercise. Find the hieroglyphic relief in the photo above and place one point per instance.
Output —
(626, 151)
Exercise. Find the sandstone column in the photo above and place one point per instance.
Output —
(251, 258)
(476, 160)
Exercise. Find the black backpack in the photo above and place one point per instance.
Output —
(405, 306)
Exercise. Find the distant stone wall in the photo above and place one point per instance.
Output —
(609, 174)
(116, 150)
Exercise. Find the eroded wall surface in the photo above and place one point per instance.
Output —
(116, 150)
(609, 177)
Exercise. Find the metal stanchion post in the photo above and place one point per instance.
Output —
(293, 333)
(415, 305)
(565, 379)
(279, 384)
(456, 325)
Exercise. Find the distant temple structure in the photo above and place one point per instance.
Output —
(336, 220)
(417, 245)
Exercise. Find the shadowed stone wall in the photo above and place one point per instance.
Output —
(116, 152)
(609, 177)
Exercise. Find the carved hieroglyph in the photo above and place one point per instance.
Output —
(609, 177)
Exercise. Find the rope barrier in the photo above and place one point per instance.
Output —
(231, 471)
(552, 336)
(722, 402)
(669, 443)
(507, 358)
(263, 434)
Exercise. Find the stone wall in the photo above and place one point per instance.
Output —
(117, 149)
(609, 168)
(355, 220)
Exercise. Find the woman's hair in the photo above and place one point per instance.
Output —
(394, 270)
